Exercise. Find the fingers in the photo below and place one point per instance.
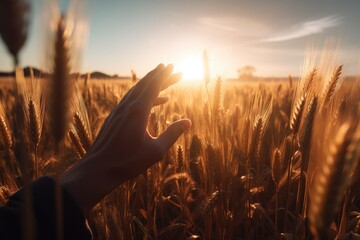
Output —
(139, 87)
(161, 100)
(152, 89)
(134, 92)
(148, 97)
(174, 78)
(172, 133)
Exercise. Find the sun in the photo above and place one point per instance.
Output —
(192, 68)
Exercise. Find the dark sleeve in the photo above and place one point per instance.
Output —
(44, 221)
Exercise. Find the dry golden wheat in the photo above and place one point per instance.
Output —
(76, 144)
(61, 87)
(329, 185)
(34, 124)
(82, 132)
(5, 134)
(297, 114)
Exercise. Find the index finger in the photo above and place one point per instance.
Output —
(153, 87)
(136, 90)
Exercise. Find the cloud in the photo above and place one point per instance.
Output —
(216, 23)
(235, 25)
(307, 28)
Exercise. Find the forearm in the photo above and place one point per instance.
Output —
(43, 209)
(89, 181)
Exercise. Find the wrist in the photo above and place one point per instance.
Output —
(88, 182)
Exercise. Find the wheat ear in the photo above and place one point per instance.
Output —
(276, 166)
(307, 129)
(297, 114)
(76, 144)
(256, 136)
(34, 124)
(305, 147)
(213, 157)
(331, 85)
(329, 185)
(309, 80)
(194, 164)
(35, 132)
(5, 135)
(82, 132)
(208, 204)
(195, 147)
(180, 158)
(60, 85)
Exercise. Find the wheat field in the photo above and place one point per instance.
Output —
(263, 160)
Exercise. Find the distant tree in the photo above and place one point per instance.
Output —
(246, 72)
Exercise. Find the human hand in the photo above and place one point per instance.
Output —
(124, 148)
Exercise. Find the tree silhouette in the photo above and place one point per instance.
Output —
(246, 72)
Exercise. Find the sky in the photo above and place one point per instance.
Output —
(272, 35)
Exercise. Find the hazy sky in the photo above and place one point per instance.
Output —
(270, 35)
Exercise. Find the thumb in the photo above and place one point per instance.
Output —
(172, 133)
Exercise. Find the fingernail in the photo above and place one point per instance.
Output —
(170, 67)
(186, 124)
(166, 98)
(160, 66)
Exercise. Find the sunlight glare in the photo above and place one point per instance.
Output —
(192, 68)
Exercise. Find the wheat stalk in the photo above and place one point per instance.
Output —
(217, 99)
(213, 158)
(208, 204)
(180, 158)
(245, 136)
(178, 176)
(34, 124)
(276, 166)
(195, 171)
(35, 132)
(305, 148)
(276, 173)
(332, 85)
(76, 144)
(195, 147)
(290, 82)
(297, 114)
(82, 131)
(309, 80)
(206, 68)
(194, 164)
(153, 126)
(256, 138)
(60, 91)
(329, 185)
(307, 127)
(5, 134)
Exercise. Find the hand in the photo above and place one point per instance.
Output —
(124, 148)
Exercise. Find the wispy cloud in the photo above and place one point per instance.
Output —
(307, 28)
(217, 23)
(235, 25)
